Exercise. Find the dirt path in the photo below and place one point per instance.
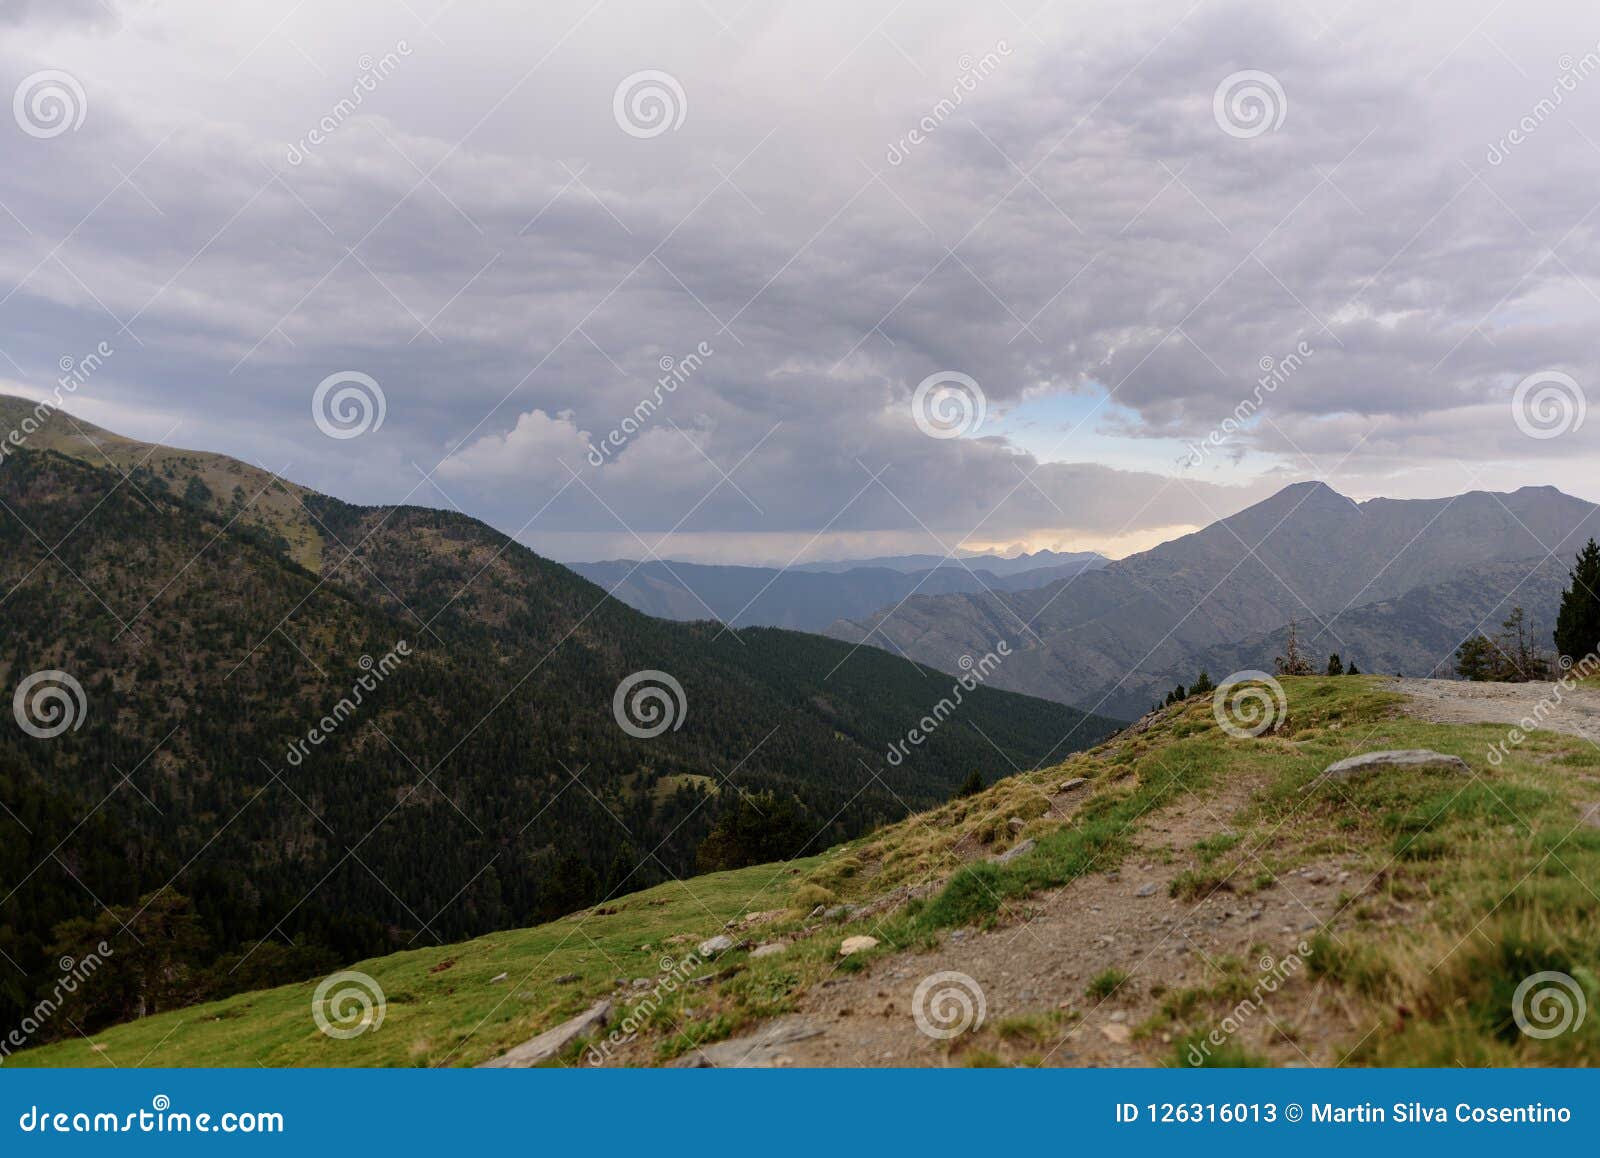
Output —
(1039, 968)
(1575, 711)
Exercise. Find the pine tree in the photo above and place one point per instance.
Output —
(1334, 666)
(1476, 659)
(1352, 669)
(1577, 631)
(1202, 685)
(972, 785)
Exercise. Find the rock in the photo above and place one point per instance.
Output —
(1117, 1032)
(552, 1041)
(497, 978)
(1146, 890)
(852, 945)
(1016, 823)
(1069, 785)
(761, 1050)
(818, 911)
(564, 979)
(1119, 1016)
(714, 945)
(1406, 758)
(641, 983)
(770, 949)
(839, 912)
(1021, 848)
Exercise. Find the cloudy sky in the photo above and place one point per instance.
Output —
(1097, 226)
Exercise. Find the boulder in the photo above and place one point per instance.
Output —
(552, 1041)
(1148, 890)
(1016, 824)
(1069, 785)
(771, 948)
(853, 945)
(1410, 759)
(714, 945)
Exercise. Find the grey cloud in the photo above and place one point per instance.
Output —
(520, 265)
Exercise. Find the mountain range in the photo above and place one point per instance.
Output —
(1393, 585)
(336, 730)
(809, 598)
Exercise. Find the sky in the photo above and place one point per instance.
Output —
(760, 282)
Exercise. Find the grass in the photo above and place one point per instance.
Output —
(1460, 889)
(458, 1015)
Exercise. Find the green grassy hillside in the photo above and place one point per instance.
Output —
(1458, 889)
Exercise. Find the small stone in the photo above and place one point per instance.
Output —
(839, 912)
(1148, 890)
(1117, 1033)
(1021, 848)
(818, 911)
(641, 983)
(564, 979)
(715, 945)
(1016, 824)
(1119, 1015)
(1410, 759)
(1069, 785)
(853, 945)
(497, 978)
(770, 949)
